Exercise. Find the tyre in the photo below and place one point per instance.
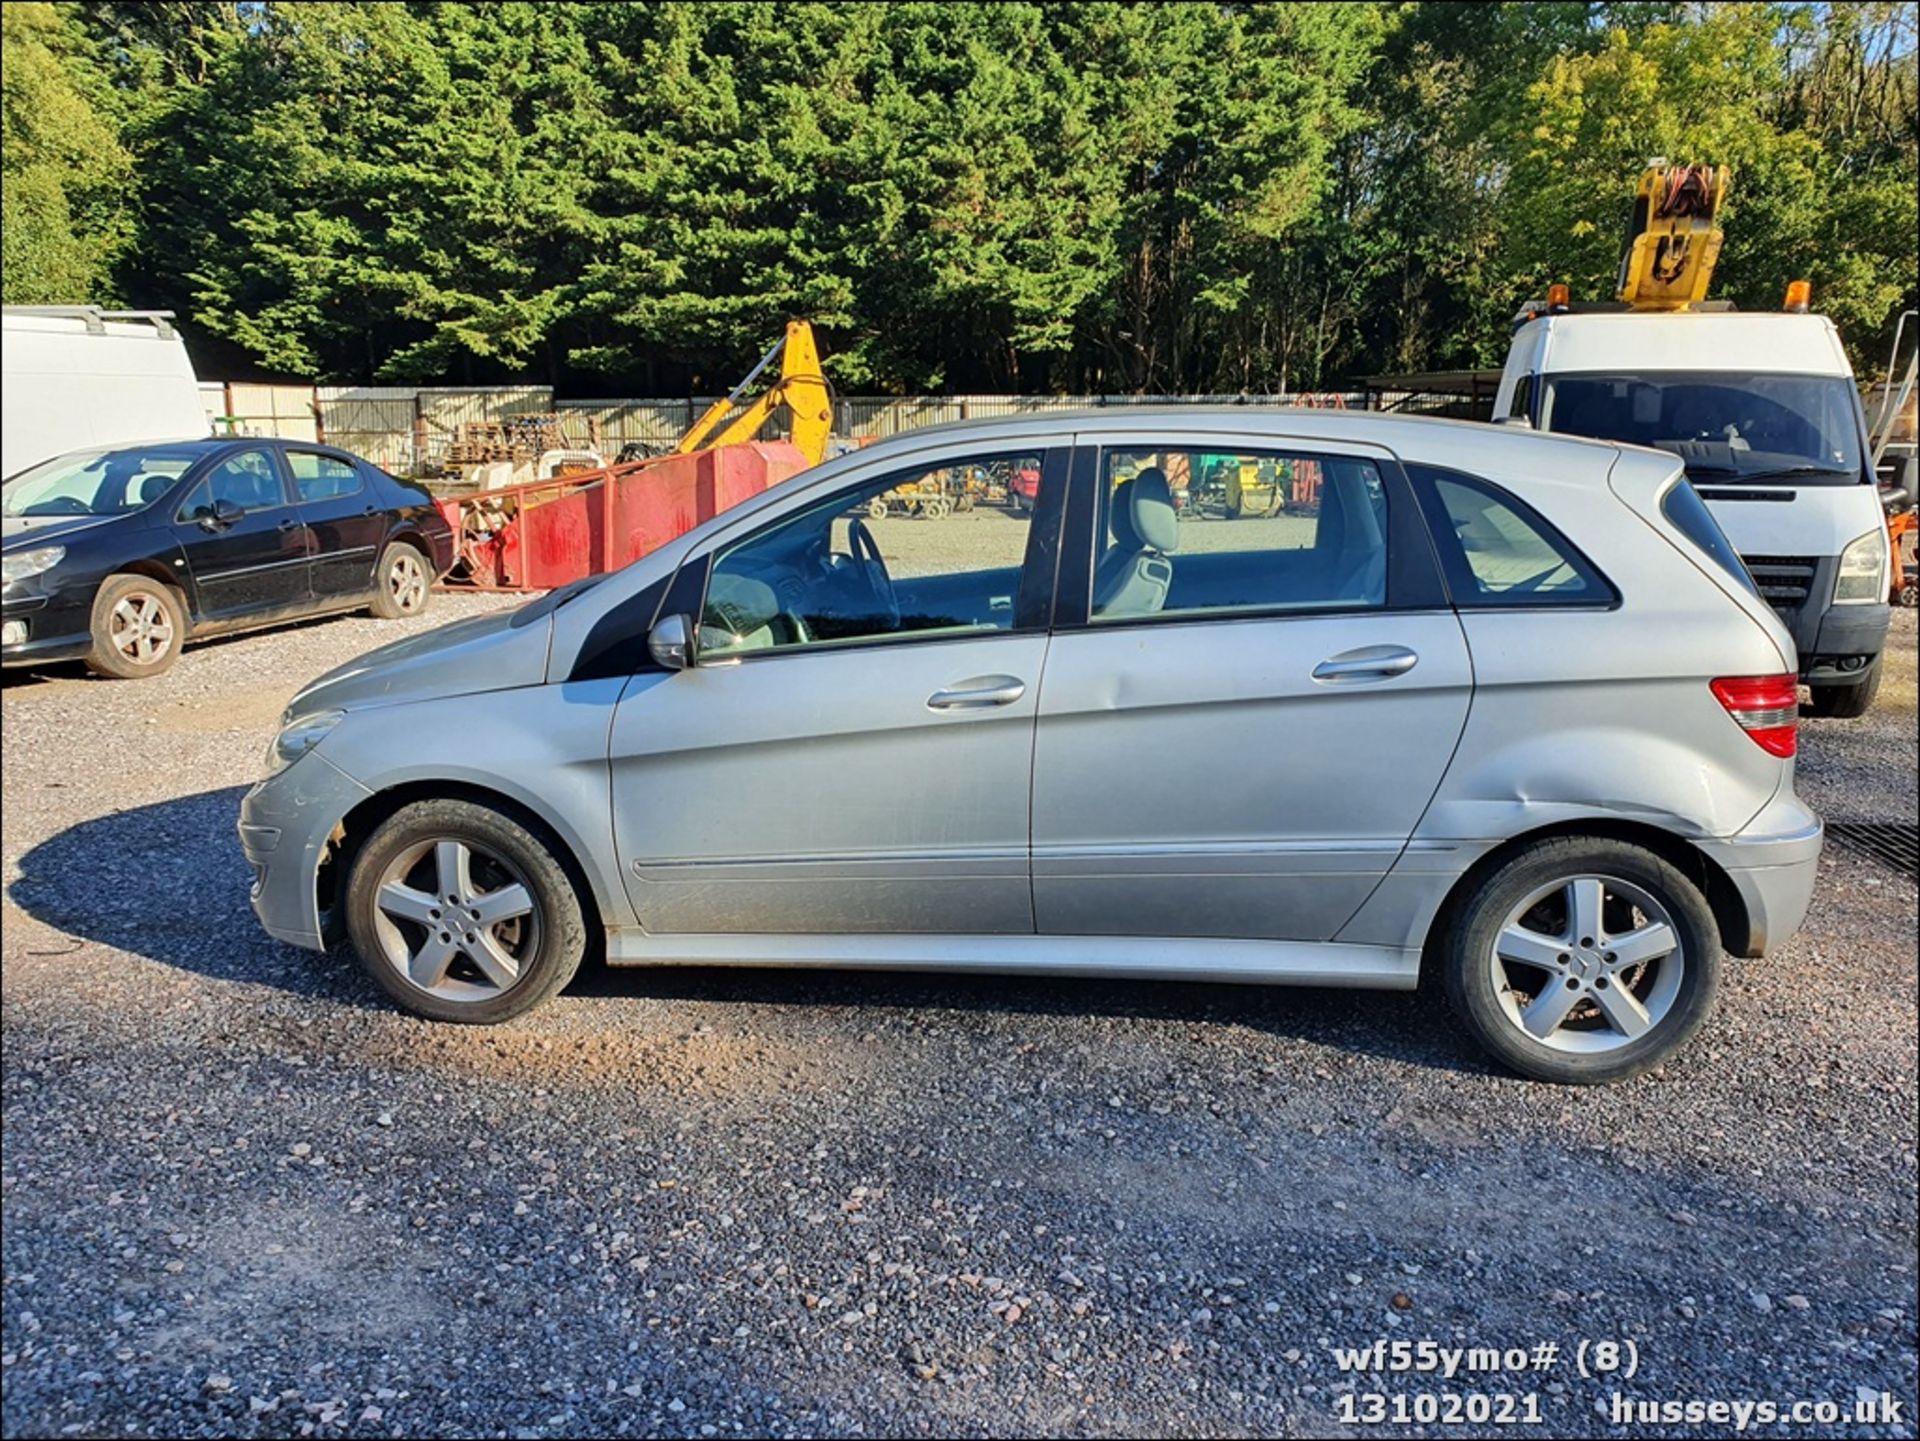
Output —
(1583, 961)
(1845, 702)
(138, 628)
(401, 582)
(877, 508)
(461, 913)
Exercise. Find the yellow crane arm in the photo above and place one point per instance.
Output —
(802, 388)
(1675, 238)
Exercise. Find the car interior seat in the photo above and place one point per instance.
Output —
(1132, 578)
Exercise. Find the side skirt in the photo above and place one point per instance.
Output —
(1185, 958)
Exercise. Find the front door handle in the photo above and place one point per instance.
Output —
(1370, 662)
(289, 523)
(978, 693)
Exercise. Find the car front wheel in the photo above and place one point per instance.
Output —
(138, 628)
(1583, 961)
(461, 913)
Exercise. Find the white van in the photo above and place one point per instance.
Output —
(74, 377)
(1763, 410)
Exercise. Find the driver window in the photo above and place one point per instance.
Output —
(247, 480)
(932, 551)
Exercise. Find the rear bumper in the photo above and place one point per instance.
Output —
(1773, 864)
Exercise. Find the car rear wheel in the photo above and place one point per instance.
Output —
(1845, 702)
(461, 913)
(138, 627)
(402, 582)
(1583, 961)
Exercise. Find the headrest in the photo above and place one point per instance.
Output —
(1150, 506)
(152, 487)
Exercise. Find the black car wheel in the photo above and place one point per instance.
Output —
(138, 628)
(402, 582)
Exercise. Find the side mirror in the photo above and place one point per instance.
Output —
(223, 515)
(671, 642)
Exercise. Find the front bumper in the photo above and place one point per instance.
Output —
(286, 822)
(57, 626)
(1773, 864)
(1836, 642)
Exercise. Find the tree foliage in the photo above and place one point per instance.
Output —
(1083, 196)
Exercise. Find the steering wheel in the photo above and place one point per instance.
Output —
(59, 505)
(866, 550)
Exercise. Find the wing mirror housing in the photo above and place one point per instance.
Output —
(221, 515)
(671, 642)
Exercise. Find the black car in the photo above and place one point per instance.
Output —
(118, 557)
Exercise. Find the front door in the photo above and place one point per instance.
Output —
(1241, 729)
(852, 750)
(250, 560)
(345, 522)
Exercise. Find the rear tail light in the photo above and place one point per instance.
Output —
(1766, 707)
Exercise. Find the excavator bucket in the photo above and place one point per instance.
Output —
(1674, 240)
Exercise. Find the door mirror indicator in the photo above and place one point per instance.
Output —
(671, 642)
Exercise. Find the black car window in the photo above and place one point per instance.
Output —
(247, 480)
(321, 477)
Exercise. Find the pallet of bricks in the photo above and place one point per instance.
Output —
(518, 438)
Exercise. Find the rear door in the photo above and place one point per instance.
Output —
(1239, 728)
(343, 518)
(254, 564)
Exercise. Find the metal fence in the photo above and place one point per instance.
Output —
(407, 429)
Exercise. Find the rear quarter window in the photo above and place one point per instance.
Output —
(1498, 552)
(1682, 505)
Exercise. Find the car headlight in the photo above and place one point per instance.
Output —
(300, 735)
(1863, 570)
(23, 563)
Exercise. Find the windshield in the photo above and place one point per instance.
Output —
(1752, 428)
(95, 482)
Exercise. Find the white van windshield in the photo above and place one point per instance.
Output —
(1754, 429)
(95, 482)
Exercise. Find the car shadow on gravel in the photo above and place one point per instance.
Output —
(167, 881)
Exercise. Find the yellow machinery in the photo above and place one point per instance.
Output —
(1675, 238)
(802, 388)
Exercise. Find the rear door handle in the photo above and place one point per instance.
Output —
(978, 693)
(1369, 662)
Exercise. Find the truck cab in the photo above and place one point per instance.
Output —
(1763, 411)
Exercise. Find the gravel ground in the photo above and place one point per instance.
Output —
(244, 1197)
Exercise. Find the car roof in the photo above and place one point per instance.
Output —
(1413, 437)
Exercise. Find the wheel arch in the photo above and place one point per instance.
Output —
(151, 569)
(359, 823)
(1729, 909)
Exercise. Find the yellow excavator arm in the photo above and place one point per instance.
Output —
(1675, 238)
(802, 388)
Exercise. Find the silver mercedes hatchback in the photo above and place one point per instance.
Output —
(1234, 694)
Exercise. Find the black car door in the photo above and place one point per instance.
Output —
(245, 546)
(344, 518)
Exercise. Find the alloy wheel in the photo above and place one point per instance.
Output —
(406, 580)
(140, 628)
(1587, 964)
(456, 920)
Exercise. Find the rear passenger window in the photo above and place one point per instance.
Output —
(321, 477)
(1498, 551)
(1217, 532)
